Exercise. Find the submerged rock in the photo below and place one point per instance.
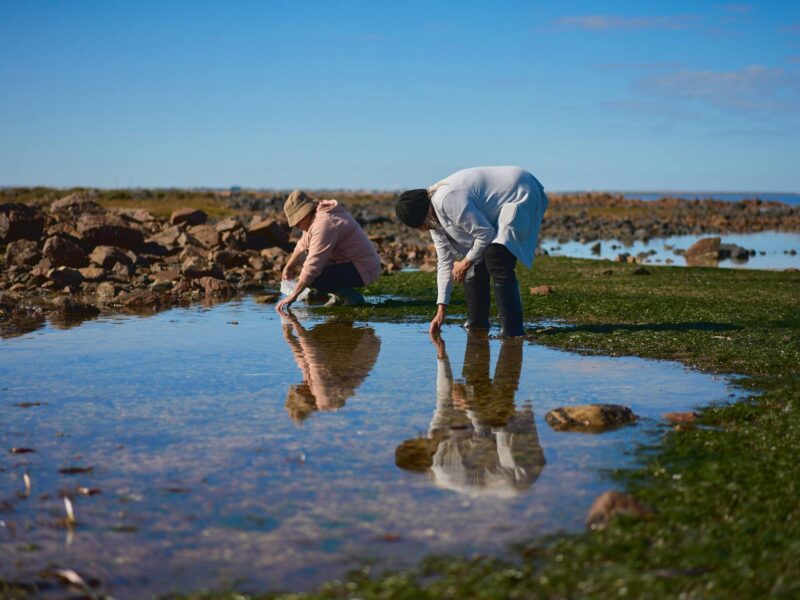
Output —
(589, 418)
(612, 503)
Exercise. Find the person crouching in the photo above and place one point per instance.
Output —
(335, 253)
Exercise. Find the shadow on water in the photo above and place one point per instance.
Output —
(478, 442)
(334, 359)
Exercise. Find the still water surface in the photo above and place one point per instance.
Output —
(772, 249)
(228, 445)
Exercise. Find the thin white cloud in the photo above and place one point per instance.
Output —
(613, 22)
(752, 88)
(738, 8)
(656, 66)
(793, 28)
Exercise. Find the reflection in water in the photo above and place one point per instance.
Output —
(334, 358)
(478, 442)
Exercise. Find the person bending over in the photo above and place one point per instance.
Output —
(490, 217)
(334, 251)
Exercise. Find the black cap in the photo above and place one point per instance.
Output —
(412, 207)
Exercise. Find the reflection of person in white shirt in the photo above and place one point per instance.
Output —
(478, 443)
(334, 358)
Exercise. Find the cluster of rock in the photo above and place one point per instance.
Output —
(590, 217)
(92, 256)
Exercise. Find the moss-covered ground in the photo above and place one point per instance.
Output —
(726, 492)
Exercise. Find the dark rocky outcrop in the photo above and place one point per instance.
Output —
(20, 222)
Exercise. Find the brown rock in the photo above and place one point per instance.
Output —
(165, 276)
(680, 417)
(63, 252)
(190, 216)
(108, 256)
(22, 253)
(20, 222)
(206, 235)
(227, 225)
(65, 277)
(216, 288)
(265, 234)
(589, 418)
(610, 504)
(229, 258)
(74, 205)
(195, 267)
(542, 290)
(92, 273)
(703, 253)
(143, 299)
(168, 237)
(107, 290)
(71, 306)
(109, 230)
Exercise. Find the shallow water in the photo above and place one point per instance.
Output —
(771, 249)
(229, 446)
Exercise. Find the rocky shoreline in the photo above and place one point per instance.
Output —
(70, 257)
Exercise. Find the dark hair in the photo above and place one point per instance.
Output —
(412, 207)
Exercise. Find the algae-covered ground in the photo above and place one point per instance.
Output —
(725, 491)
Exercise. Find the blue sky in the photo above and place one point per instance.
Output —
(368, 94)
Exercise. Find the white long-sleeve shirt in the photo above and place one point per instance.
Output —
(481, 206)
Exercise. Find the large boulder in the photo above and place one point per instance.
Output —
(63, 252)
(703, 253)
(74, 205)
(20, 222)
(190, 216)
(589, 418)
(109, 230)
(22, 253)
(266, 234)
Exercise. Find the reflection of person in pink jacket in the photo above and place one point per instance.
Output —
(336, 254)
(335, 359)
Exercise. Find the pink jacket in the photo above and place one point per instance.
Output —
(336, 237)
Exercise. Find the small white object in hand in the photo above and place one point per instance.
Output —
(287, 287)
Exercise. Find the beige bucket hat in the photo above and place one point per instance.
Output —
(297, 206)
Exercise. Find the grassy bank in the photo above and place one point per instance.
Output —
(726, 491)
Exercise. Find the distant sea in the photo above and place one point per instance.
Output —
(791, 199)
